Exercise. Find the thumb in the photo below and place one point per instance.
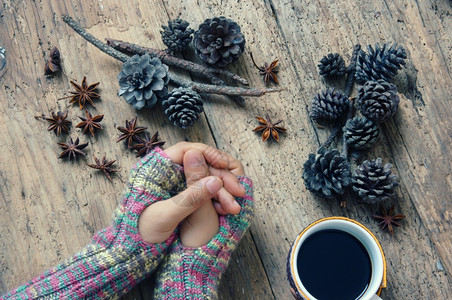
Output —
(197, 194)
(195, 167)
(158, 221)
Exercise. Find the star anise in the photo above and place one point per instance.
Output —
(269, 128)
(53, 65)
(104, 166)
(147, 144)
(268, 71)
(72, 149)
(388, 219)
(58, 123)
(83, 93)
(90, 123)
(130, 132)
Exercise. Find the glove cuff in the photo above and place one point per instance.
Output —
(194, 273)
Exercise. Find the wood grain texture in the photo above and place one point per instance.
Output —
(54, 207)
(50, 208)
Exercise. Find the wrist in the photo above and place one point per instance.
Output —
(200, 227)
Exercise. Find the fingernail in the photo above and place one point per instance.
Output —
(213, 185)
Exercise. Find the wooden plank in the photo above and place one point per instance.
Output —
(425, 82)
(300, 33)
(51, 208)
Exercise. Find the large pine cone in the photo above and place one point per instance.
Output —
(360, 133)
(176, 36)
(381, 63)
(332, 66)
(326, 173)
(143, 80)
(378, 100)
(183, 107)
(373, 181)
(219, 42)
(329, 105)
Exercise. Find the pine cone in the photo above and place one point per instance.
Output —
(176, 36)
(219, 41)
(381, 63)
(373, 182)
(360, 133)
(329, 105)
(332, 66)
(327, 173)
(143, 80)
(183, 107)
(378, 100)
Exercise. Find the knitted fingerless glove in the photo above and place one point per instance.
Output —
(194, 273)
(117, 258)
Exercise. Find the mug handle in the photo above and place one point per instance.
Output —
(375, 297)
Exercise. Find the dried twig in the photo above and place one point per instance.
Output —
(174, 61)
(351, 70)
(348, 89)
(199, 87)
(344, 141)
(221, 89)
(95, 41)
(331, 138)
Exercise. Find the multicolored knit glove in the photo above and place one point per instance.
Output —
(117, 258)
(194, 273)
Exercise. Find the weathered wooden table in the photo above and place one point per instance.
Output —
(50, 208)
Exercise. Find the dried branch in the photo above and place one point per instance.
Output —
(221, 89)
(351, 70)
(199, 87)
(93, 40)
(170, 60)
(331, 138)
(348, 89)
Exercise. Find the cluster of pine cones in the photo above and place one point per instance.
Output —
(328, 173)
(143, 80)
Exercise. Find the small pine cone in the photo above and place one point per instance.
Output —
(329, 105)
(326, 173)
(360, 133)
(373, 181)
(378, 100)
(176, 36)
(183, 107)
(332, 66)
(219, 41)
(143, 80)
(381, 63)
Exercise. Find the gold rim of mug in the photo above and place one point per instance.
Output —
(383, 281)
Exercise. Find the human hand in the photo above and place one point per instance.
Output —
(158, 221)
(220, 164)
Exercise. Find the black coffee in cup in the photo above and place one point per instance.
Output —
(333, 264)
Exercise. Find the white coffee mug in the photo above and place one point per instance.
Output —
(367, 239)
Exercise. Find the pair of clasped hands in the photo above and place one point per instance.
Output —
(210, 174)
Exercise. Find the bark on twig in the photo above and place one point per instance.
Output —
(95, 41)
(170, 60)
(348, 89)
(221, 89)
(331, 138)
(344, 141)
(199, 87)
(351, 70)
